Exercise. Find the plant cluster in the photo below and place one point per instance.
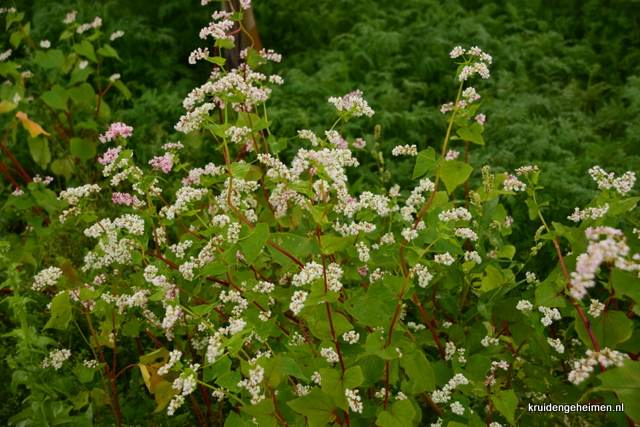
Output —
(255, 289)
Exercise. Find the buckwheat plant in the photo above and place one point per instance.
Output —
(256, 287)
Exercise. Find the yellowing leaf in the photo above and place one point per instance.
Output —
(33, 128)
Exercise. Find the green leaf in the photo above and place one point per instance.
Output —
(240, 170)
(473, 133)
(375, 308)
(316, 406)
(218, 60)
(83, 94)
(51, 59)
(84, 373)
(401, 415)
(16, 38)
(419, 371)
(252, 245)
(60, 312)
(625, 382)
(219, 368)
(56, 98)
(506, 401)
(83, 149)
(225, 43)
(425, 162)
(6, 106)
(262, 412)
(609, 329)
(80, 401)
(62, 167)
(86, 49)
(290, 367)
(79, 75)
(549, 294)
(107, 50)
(39, 148)
(321, 328)
(123, 89)
(454, 173)
(625, 283)
(334, 383)
(48, 200)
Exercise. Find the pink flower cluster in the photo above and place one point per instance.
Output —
(116, 130)
(110, 156)
(46, 180)
(164, 163)
(125, 199)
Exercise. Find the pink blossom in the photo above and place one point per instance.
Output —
(360, 143)
(165, 163)
(124, 199)
(116, 130)
(446, 107)
(17, 192)
(110, 156)
(481, 118)
(452, 155)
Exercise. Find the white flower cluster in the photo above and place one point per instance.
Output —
(329, 354)
(466, 233)
(184, 196)
(593, 213)
(612, 249)
(480, 66)
(264, 287)
(409, 234)
(531, 277)
(444, 395)
(556, 344)
(179, 248)
(56, 358)
(596, 308)
(174, 356)
(237, 134)
(334, 273)
(252, 384)
(605, 357)
(424, 277)
(73, 195)
(550, 314)
(353, 104)
(457, 408)
(363, 251)
(354, 400)
(301, 390)
(297, 301)
(472, 256)
(47, 277)
(307, 134)
(186, 383)
(405, 150)
(351, 337)
(524, 305)
(487, 341)
(445, 258)
(455, 214)
(308, 274)
(513, 184)
(605, 180)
